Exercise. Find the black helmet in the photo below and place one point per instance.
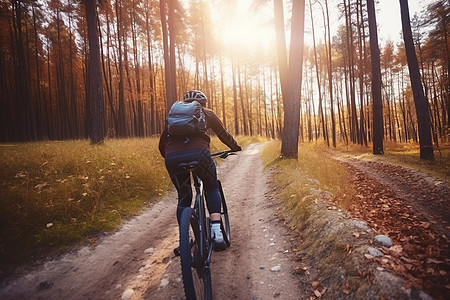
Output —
(195, 95)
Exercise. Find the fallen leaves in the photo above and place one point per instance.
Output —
(391, 201)
(346, 289)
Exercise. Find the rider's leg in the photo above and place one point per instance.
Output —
(182, 181)
(208, 175)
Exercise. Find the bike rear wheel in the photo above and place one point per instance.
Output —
(192, 263)
(224, 219)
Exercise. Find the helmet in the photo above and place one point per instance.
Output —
(195, 95)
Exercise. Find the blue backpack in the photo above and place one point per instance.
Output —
(186, 119)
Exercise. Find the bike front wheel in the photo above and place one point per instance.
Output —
(192, 263)
(224, 219)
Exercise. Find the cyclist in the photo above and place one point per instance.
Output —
(177, 149)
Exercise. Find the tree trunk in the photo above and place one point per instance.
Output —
(167, 69)
(330, 79)
(172, 65)
(423, 118)
(377, 103)
(289, 143)
(97, 133)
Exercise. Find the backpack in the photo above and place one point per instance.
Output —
(186, 119)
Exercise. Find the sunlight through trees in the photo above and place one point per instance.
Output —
(151, 51)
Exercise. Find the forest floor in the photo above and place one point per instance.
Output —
(137, 262)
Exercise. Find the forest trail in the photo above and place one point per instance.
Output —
(413, 209)
(137, 262)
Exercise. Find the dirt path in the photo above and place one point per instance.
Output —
(413, 209)
(137, 262)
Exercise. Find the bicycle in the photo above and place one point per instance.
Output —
(196, 243)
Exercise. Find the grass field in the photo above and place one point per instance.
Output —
(56, 194)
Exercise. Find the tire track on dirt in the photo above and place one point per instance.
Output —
(98, 272)
(258, 240)
(137, 262)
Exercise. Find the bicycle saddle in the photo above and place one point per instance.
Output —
(188, 165)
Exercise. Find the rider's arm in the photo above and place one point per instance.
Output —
(224, 136)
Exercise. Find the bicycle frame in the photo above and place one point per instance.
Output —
(197, 219)
(204, 234)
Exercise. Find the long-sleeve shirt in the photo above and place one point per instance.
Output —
(172, 143)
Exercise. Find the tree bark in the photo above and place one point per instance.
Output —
(377, 103)
(289, 143)
(423, 118)
(97, 133)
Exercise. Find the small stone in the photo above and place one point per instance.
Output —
(149, 250)
(127, 294)
(360, 224)
(272, 244)
(383, 240)
(375, 252)
(416, 294)
(163, 282)
(276, 269)
(262, 267)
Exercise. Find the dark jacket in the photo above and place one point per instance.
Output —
(170, 144)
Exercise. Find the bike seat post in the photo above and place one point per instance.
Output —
(190, 167)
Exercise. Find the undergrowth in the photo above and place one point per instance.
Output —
(306, 185)
(55, 194)
(59, 193)
(313, 175)
(407, 155)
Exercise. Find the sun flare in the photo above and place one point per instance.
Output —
(243, 30)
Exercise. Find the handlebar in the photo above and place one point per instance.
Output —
(224, 154)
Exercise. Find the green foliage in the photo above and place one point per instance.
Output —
(59, 193)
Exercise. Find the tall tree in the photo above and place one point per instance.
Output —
(25, 122)
(289, 142)
(97, 128)
(168, 31)
(377, 102)
(423, 118)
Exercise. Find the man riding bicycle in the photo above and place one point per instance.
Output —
(177, 149)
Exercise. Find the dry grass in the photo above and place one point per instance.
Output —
(55, 194)
(325, 236)
(407, 155)
(313, 174)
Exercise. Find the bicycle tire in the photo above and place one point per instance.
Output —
(192, 270)
(224, 218)
(204, 240)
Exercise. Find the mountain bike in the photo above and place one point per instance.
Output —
(196, 243)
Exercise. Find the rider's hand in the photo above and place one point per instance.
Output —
(237, 148)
